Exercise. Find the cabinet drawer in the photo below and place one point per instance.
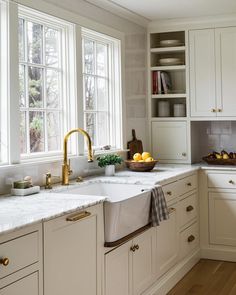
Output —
(187, 184)
(218, 180)
(189, 240)
(171, 191)
(187, 210)
(21, 252)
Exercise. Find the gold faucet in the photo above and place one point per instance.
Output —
(66, 171)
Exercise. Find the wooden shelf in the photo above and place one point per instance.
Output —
(171, 95)
(169, 68)
(168, 49)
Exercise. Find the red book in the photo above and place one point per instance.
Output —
(154, 83)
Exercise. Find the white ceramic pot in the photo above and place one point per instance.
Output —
(110, 170)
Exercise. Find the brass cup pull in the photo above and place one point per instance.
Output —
(231, 181)
(189, 184)
(78, 216)
(191, 238)
(169, 193)
(189, 208)
(133, 248)
(4, 261)
(136, 247)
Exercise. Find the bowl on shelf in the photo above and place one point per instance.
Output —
(172, 61)
(140, 166)
(169, 43)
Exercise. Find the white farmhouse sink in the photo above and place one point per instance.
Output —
(126, 209)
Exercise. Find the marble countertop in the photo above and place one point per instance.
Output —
(17, 212)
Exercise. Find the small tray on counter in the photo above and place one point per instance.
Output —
(219, 161)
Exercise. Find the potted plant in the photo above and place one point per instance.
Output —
(109, 161)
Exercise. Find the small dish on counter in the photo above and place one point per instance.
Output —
(140, 166)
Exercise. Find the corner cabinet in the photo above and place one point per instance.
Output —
(212, 72)
(169, 141)
(72, 253)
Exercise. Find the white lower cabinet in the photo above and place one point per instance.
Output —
(129, 268)
(71, 253)
(222, 218)
(25, 286)
(167, 242)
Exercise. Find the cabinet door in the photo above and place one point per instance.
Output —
(118, 271)
(202, 73)
(143, 261)
(226, 71)
(27, 285)
(70, 255)
(222, 218)
(167, 242)
(169, 141)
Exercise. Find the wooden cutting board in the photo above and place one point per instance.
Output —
(135, 146)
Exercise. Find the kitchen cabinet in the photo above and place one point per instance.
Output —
(167, 242)
(202, 73)
(212, 72)
(129, 268)
(72, 255)
(222, 218)
(169, 141)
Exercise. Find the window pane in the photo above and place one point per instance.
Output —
(90, 103)
(51, 47)
(103, 135)
(53, 130)
(35, 87)
(90, 122)
(52, 88)
(36, 127)
(35, 41)
(23, 148)
(22, 85)
(101, 59)
(88, 57)
(102, 94)
(21, 40)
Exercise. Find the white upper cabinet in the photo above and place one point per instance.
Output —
(202, 73)
(213, 72)
(226, 71)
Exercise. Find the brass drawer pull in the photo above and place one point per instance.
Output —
(78, 216)
(219, 110)
(4, 261)
(184, 154)
(231, 181)
(213, 110)
(169, 193)
(171, 210)
(191, 238)
(136, 247)
(133, 249)
(189, 208)
(189, 184)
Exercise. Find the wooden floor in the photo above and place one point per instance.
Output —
(208, 277)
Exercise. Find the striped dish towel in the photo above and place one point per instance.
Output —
(158, 210)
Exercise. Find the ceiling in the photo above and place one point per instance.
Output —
(165, 9)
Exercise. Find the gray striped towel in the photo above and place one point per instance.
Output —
(158, 210)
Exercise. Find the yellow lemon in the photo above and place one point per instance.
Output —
(145, 155)
(137, 157)
(150, 159)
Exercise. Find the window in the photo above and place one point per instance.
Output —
(43, 77)
(101, 83)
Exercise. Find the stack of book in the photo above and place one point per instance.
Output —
(161, 83)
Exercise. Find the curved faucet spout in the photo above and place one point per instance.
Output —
(66, 166)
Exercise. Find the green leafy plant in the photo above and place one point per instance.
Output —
(110, 159)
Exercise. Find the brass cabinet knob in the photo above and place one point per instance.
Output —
(231, 181)
(189, 184)
(213, 110)
(189, 208)
(219, 110)
(184, 154)
(169, 193)
(136, 247)
(133, 249)
(191, 238)
(4, 261)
